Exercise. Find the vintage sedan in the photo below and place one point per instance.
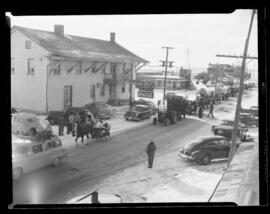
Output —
(100, 109)
(227, 131)
(29, 155)
(22, 123)
(150, 104)
(205, 149)
(254, 110)
(248, 119)
(138, 112)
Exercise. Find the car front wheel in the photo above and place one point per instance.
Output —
(17, 173)
(206, 159)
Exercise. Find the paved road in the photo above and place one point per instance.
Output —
(91, 164)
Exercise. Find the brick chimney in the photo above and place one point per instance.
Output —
(112, 37)
(59, 30)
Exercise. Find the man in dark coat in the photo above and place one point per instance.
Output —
(151, 148)
(61, 125)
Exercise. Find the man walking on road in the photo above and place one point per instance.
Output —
(151, 148)
(211, 110)
(200, 111)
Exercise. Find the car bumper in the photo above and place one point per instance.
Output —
(187, 157)
(132, 118)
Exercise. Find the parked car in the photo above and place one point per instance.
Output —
(150, 104)
(248, 119)
(138, 112)
(29, 155)
(254, 110)
(227, 131)
(230, 123)
(100, 109)
(103, 198)
(21, 123)
(205, 149)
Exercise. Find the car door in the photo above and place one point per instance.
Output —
(211, 146)
(35, 161)
(223, 148)
(48, 151)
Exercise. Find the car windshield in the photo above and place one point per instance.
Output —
(20, 150)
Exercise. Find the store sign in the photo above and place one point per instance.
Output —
(145, 94)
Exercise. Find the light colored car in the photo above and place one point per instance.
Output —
(22, 122)
(29, 155)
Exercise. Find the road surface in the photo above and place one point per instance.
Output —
(91, 164)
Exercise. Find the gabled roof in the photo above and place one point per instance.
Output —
(79, 47)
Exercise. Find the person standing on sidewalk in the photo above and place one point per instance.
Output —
(211, 110)
(200, 111)
(70, 123)
(61, 125)
(151, 148)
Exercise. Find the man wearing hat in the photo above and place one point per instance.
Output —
(151, 148)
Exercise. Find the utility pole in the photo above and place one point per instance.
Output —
(166, 65)
(239, 99)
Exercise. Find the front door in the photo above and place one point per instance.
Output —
(67, 97)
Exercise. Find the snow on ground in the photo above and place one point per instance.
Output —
(173, 179)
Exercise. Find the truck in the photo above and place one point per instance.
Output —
(175, 111)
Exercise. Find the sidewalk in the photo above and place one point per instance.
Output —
(240, 182)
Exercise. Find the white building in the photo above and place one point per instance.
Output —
(53, 71)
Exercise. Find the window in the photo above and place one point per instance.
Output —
(37, 148)
(53, 144)
(12, 66)
(57, 69)
(159, 82)
(92, 91)
(94, 68)
(123, 88)
(78, 69)
(222, 143)
(212, 143)
(102, 90)
(27, 44)
(31, 67)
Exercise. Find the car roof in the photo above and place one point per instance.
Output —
(208, 137)
(24, 115)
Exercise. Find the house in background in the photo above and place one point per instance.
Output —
(54, 71)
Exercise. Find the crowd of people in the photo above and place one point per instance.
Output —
(207, 101)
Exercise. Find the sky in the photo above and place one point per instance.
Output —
(205, 35)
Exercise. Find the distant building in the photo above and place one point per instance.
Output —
(154, 77)
(54, 71)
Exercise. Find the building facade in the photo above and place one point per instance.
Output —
(54, 71)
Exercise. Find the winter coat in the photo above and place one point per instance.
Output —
(151, 148)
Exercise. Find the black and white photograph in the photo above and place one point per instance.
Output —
(135, 108)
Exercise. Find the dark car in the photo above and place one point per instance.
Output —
(150, 104)
(227, 131)
(205, 149)
(254, 110)
(138, 112)
(230, 123)
(248, 119)
(100, 109)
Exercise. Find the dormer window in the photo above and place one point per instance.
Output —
(27, 44)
